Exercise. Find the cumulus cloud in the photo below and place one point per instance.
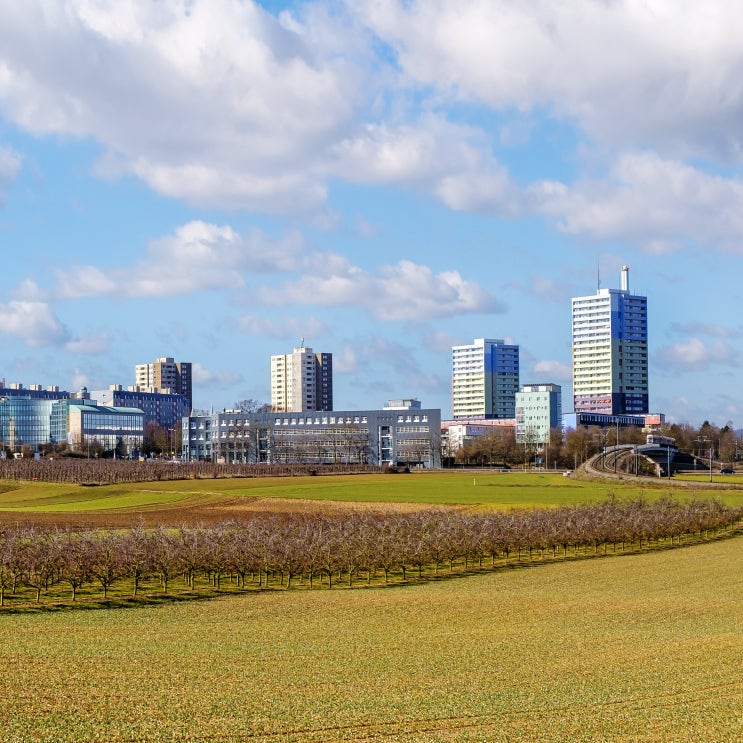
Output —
(212, 101)
(552, 371)
(405, 291)
(209, 378)
(29, 290)
(222, 104)
(696, 355)
(33, 322)
(36, 324)
(658, 72)
(199, 256)
(202, 257)
(648, 199)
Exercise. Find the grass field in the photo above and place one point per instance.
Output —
(639, 648)
(435, 488)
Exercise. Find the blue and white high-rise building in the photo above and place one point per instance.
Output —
(484, 380)
(610, 351)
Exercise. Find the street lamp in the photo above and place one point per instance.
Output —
(710, 462)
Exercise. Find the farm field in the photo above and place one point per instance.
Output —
(644, 647)
(220, 499)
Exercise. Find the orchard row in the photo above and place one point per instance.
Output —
(312, 549)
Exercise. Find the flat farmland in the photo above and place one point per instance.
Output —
(646, 647)
(211, 500)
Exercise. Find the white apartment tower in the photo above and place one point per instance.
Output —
(165, 375)
(484, 380)
(610, 351)
(301, 381)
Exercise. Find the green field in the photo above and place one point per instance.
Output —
(439, 488)
(639, 648)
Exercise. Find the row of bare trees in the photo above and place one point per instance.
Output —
(105, 472)
(363, 546)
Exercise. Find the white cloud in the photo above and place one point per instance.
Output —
(202, 257)
(221, 104)
(660, 203)
(29, 290)
(33, 322)
(208, 378)
(405, 291)
(696, 355)
(631, 71)
(212, 101)
(552, 371)
(197, 257)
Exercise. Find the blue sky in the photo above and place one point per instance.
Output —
(215, 180)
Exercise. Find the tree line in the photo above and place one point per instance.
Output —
(570, 448)
(358, 548)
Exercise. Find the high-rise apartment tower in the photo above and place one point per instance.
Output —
(610, 351)
(484, 380)
(301, 381)
(165, 375)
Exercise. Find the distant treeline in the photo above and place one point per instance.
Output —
(313, 549)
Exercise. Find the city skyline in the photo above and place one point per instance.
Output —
(214, 181)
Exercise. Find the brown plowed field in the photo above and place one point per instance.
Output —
(229, 509)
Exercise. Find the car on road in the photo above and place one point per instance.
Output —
(727, 471)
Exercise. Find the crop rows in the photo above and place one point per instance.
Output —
(316, 549)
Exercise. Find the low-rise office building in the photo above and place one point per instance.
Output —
(165, 409)
(34, 423)
(81, 423)
(457, 434)
(391, 436)
(25, 422)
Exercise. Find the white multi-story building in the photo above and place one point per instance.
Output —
(165, 375)
(610, 351)
(538, 409)
(484, 380)
(301, 381)
(395, 435)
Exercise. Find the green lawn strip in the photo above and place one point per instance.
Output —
(110, 502)
(716, 478)
(64, 498)
(643, 648)
(509, 490)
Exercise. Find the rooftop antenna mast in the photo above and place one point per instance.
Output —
(598, 274)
